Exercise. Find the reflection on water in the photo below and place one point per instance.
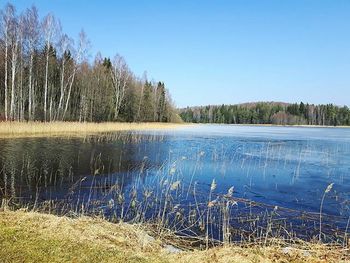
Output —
(183, 179)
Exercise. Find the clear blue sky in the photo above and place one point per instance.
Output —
(214, 52)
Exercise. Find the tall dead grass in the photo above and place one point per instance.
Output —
(34, 129)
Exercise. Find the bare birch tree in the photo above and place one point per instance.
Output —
(20, 82)
(144, 80)
(81, 54)
(120, 76)
(32, 37)
(64, 47)
(14, 41)
(7, 18)
(49, 26)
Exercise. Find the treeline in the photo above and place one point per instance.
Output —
(269, 113)
(46, 76)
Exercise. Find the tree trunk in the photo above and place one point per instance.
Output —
(13, 79)
(68, 95)
(6, 71)
(30, 86)
(62, 89)
(46, 79)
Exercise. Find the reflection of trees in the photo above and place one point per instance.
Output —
(52, 166)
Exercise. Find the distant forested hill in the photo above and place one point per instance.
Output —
(269, 113)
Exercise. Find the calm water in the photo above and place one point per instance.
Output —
(279, 175)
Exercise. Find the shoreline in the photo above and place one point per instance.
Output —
(14, 129)
(37, 237)
(271, 125)
(76, 129)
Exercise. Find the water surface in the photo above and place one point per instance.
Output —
(279, 176)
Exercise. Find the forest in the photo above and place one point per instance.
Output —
(45, 75)
(48, 76)
(269, 113)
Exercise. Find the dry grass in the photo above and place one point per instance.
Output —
(34, 237)
(34, 129)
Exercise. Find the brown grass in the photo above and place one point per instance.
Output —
(35, 129)
(34, 237)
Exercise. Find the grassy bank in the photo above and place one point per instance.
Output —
(34, 237)
(32, 129)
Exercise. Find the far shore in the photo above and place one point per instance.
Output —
(274, 125)
(38, 129)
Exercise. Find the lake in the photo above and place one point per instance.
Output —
(226, 182)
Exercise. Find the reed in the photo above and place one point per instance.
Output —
(327, 190)
(35, 129)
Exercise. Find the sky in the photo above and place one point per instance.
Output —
(221, 52)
